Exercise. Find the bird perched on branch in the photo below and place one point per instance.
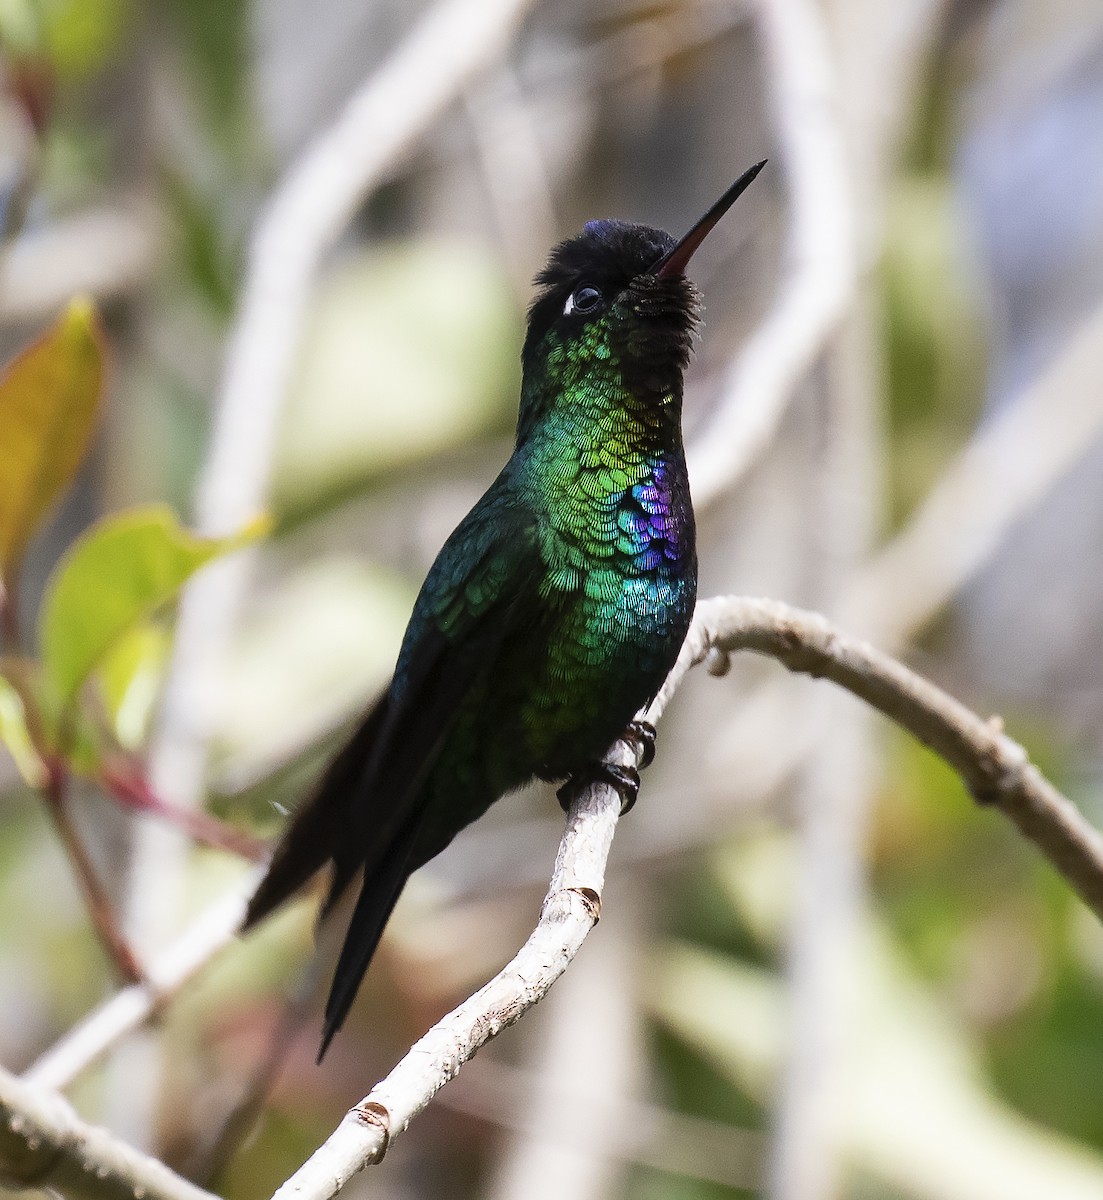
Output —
(554, 611)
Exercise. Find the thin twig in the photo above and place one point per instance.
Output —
(234, 1127)
(96, 898)
(134, 792)
(44, 1144)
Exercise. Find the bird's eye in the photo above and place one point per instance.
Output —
(582, 300)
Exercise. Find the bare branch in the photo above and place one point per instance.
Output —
(634, 1130)
(96, 899)
(44, 1144)
(819, 257)
(105, 250)
(994, 768)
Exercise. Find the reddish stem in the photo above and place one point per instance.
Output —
(99, 903)
(9, 615)
(135, 793)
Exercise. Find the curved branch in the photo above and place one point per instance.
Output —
(994, 767)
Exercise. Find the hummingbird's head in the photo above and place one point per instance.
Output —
(615, 313)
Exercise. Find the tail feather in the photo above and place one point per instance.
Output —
(379, 894)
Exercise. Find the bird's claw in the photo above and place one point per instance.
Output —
(641, 734)
(624, 780)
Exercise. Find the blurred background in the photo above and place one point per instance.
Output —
(821, 970)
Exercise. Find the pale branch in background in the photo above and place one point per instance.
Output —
(514, 170)
(633, 1130)
(587, 1039)
(105, 251)
(44, 1144)
(129, 1009)
(447, 48)
(819, 260)
(990, 486)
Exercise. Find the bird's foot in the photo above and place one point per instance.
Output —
(624, 780)
(641, 734)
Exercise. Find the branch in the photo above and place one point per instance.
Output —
(97, 901)
(319, 194)
(994, 768)
(44, 1144)
(105, 251)
(447, 47)
(820, 256)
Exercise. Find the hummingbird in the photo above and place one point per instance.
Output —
(556, 608)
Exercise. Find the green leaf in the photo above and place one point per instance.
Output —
(130, 678)
(83, 36)
(114, 577)
(49, 395)
(15, 735)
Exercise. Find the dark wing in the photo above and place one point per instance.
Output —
(366, 813)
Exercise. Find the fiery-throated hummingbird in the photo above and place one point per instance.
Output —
(556, 608)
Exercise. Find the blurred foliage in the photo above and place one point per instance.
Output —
(935, 343)
(48, 400)
(77, 37)
(213, 32)
(208, 262)
(328, 667)
(410, 350)
(935, 328)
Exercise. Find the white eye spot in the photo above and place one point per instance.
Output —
(568, 308)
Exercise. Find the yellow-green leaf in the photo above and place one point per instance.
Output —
(49, 395)
(14, 735)
(130, 678)
(114, 577)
